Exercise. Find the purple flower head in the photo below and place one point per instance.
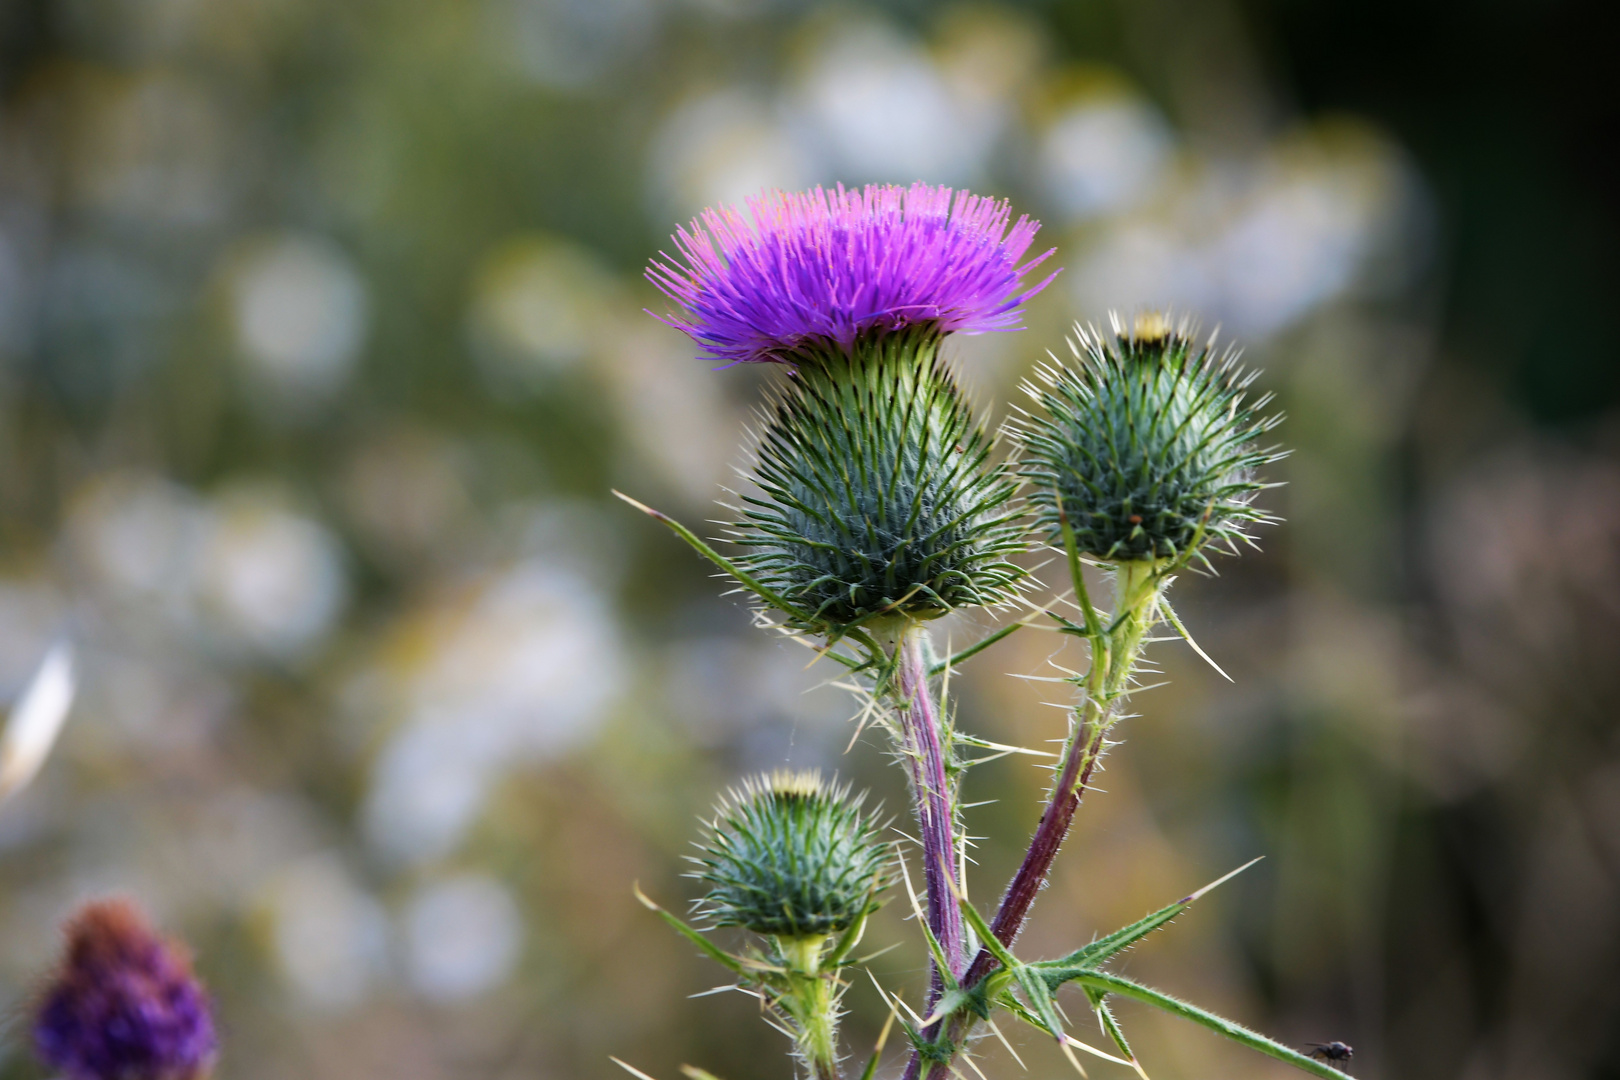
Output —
(821, 267)
(124, 1004)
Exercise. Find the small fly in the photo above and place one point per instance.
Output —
(1336, 1052)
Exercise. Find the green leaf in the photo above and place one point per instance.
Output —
(710, 949)
(1110, 1026)
(1034, 987)
(1115, 984)
(747, 581)
(934, 948)
(1072, 550)
(1103, 948)
(1174, 620)
(982, 929)
(883, 1037)
(1039, 998)
(852, 936)
(978, 647)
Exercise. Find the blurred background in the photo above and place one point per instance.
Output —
(321, 345)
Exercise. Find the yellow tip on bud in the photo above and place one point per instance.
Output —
(806, 784)
(1151, 326)
(780, 784)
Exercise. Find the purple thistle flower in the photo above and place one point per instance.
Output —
(828, 266)
(124, 1004)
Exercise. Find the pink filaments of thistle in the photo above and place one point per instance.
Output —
(806, 269)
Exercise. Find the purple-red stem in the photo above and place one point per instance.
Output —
(1043, 848)
(936, 821)
(1031, 875)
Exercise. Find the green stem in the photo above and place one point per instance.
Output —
(818, 1036)
(813, 1005)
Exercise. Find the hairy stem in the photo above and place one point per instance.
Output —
(1114, 650)
(818, 1038)
(813, 1004)
(926, 753)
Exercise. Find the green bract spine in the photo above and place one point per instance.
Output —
(1146, 444)
(793, 858)
(877, 492)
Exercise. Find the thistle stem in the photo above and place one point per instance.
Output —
(812, 1002)
(1114, 650)
(926, 754)
(818, 1035)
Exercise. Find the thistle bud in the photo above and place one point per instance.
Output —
(791, 857)
(123, 1004)
(1146, 445)
(877, 493)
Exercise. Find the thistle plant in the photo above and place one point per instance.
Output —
(878, 502)
(795, 861)
(123, 1004)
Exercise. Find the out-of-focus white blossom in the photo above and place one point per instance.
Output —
(330, 937)
(1103, 154)
(271, 578)
(36, 720)
(463, 936)
(300, 312)
(513, 669)
(539, 307)
(723, 147)
(1257, 246)
(877, 107)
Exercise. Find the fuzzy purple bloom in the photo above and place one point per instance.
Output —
(820, 267)
(124, 1004)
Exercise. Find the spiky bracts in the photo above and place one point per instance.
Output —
(123, 1004)
(791, 857)
(813, 269)
(877, 492)
(1146, 443)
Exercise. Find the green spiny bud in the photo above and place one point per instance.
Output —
(792, 857)
(1146, 445)
(877, 493)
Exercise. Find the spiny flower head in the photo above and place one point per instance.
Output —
(879, 496)
(830, 266)
(1146, 443)
(791, 856)
(123, 1004)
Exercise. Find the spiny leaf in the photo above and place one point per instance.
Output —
(1111, 1028)
(743, 578)
(1017, 1008)
(710, 949)
(882, 1039)
(957, 659)
(1174, 620)
(1115, 984)
(1103, 949)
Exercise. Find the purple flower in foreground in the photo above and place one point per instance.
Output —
(827, 266)
(124, 1004)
